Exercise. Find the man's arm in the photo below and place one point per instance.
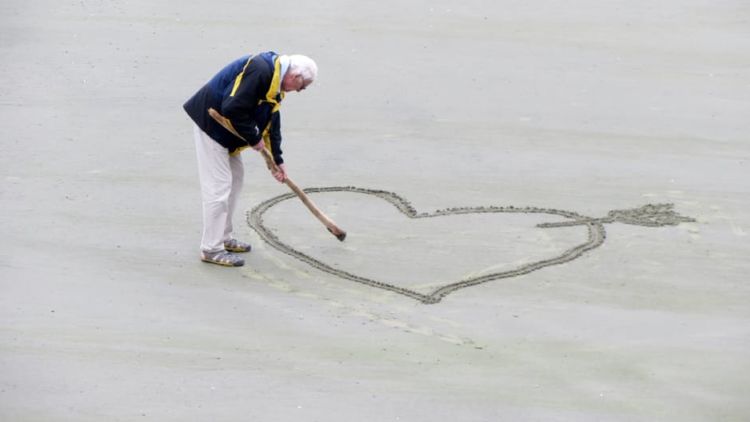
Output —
(275, 138)
(275, 144)
(239, 105)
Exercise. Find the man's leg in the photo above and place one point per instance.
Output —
(216, 183)
(238, 176)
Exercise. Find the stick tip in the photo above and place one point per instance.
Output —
(341, 235)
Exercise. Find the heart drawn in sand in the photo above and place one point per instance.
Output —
(652, 215)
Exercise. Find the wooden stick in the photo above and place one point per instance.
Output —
(330, 225)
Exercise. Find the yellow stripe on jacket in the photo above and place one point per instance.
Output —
(238, 79)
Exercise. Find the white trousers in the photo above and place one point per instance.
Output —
(221, 176)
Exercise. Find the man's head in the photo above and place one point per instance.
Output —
(301, 73)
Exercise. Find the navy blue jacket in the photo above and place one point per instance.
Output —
(246, 92)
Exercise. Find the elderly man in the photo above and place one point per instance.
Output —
(248, 92)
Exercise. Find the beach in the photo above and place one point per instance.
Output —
(440, 136)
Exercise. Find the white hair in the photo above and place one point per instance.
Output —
(303, 65)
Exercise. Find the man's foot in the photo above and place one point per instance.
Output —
(234, 245)
(222, 258)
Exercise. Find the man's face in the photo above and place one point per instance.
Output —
(293, 83)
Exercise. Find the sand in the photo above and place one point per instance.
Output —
(588, 109)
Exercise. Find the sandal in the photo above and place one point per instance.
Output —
(234, 245)
(222, 258)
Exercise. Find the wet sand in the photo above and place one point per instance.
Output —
(106, 313)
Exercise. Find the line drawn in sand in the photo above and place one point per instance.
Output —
(649, 215)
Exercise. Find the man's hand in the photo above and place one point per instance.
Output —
(281, 174)
(259, 146)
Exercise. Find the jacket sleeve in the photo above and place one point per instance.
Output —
(239, 105)
(275, 135)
